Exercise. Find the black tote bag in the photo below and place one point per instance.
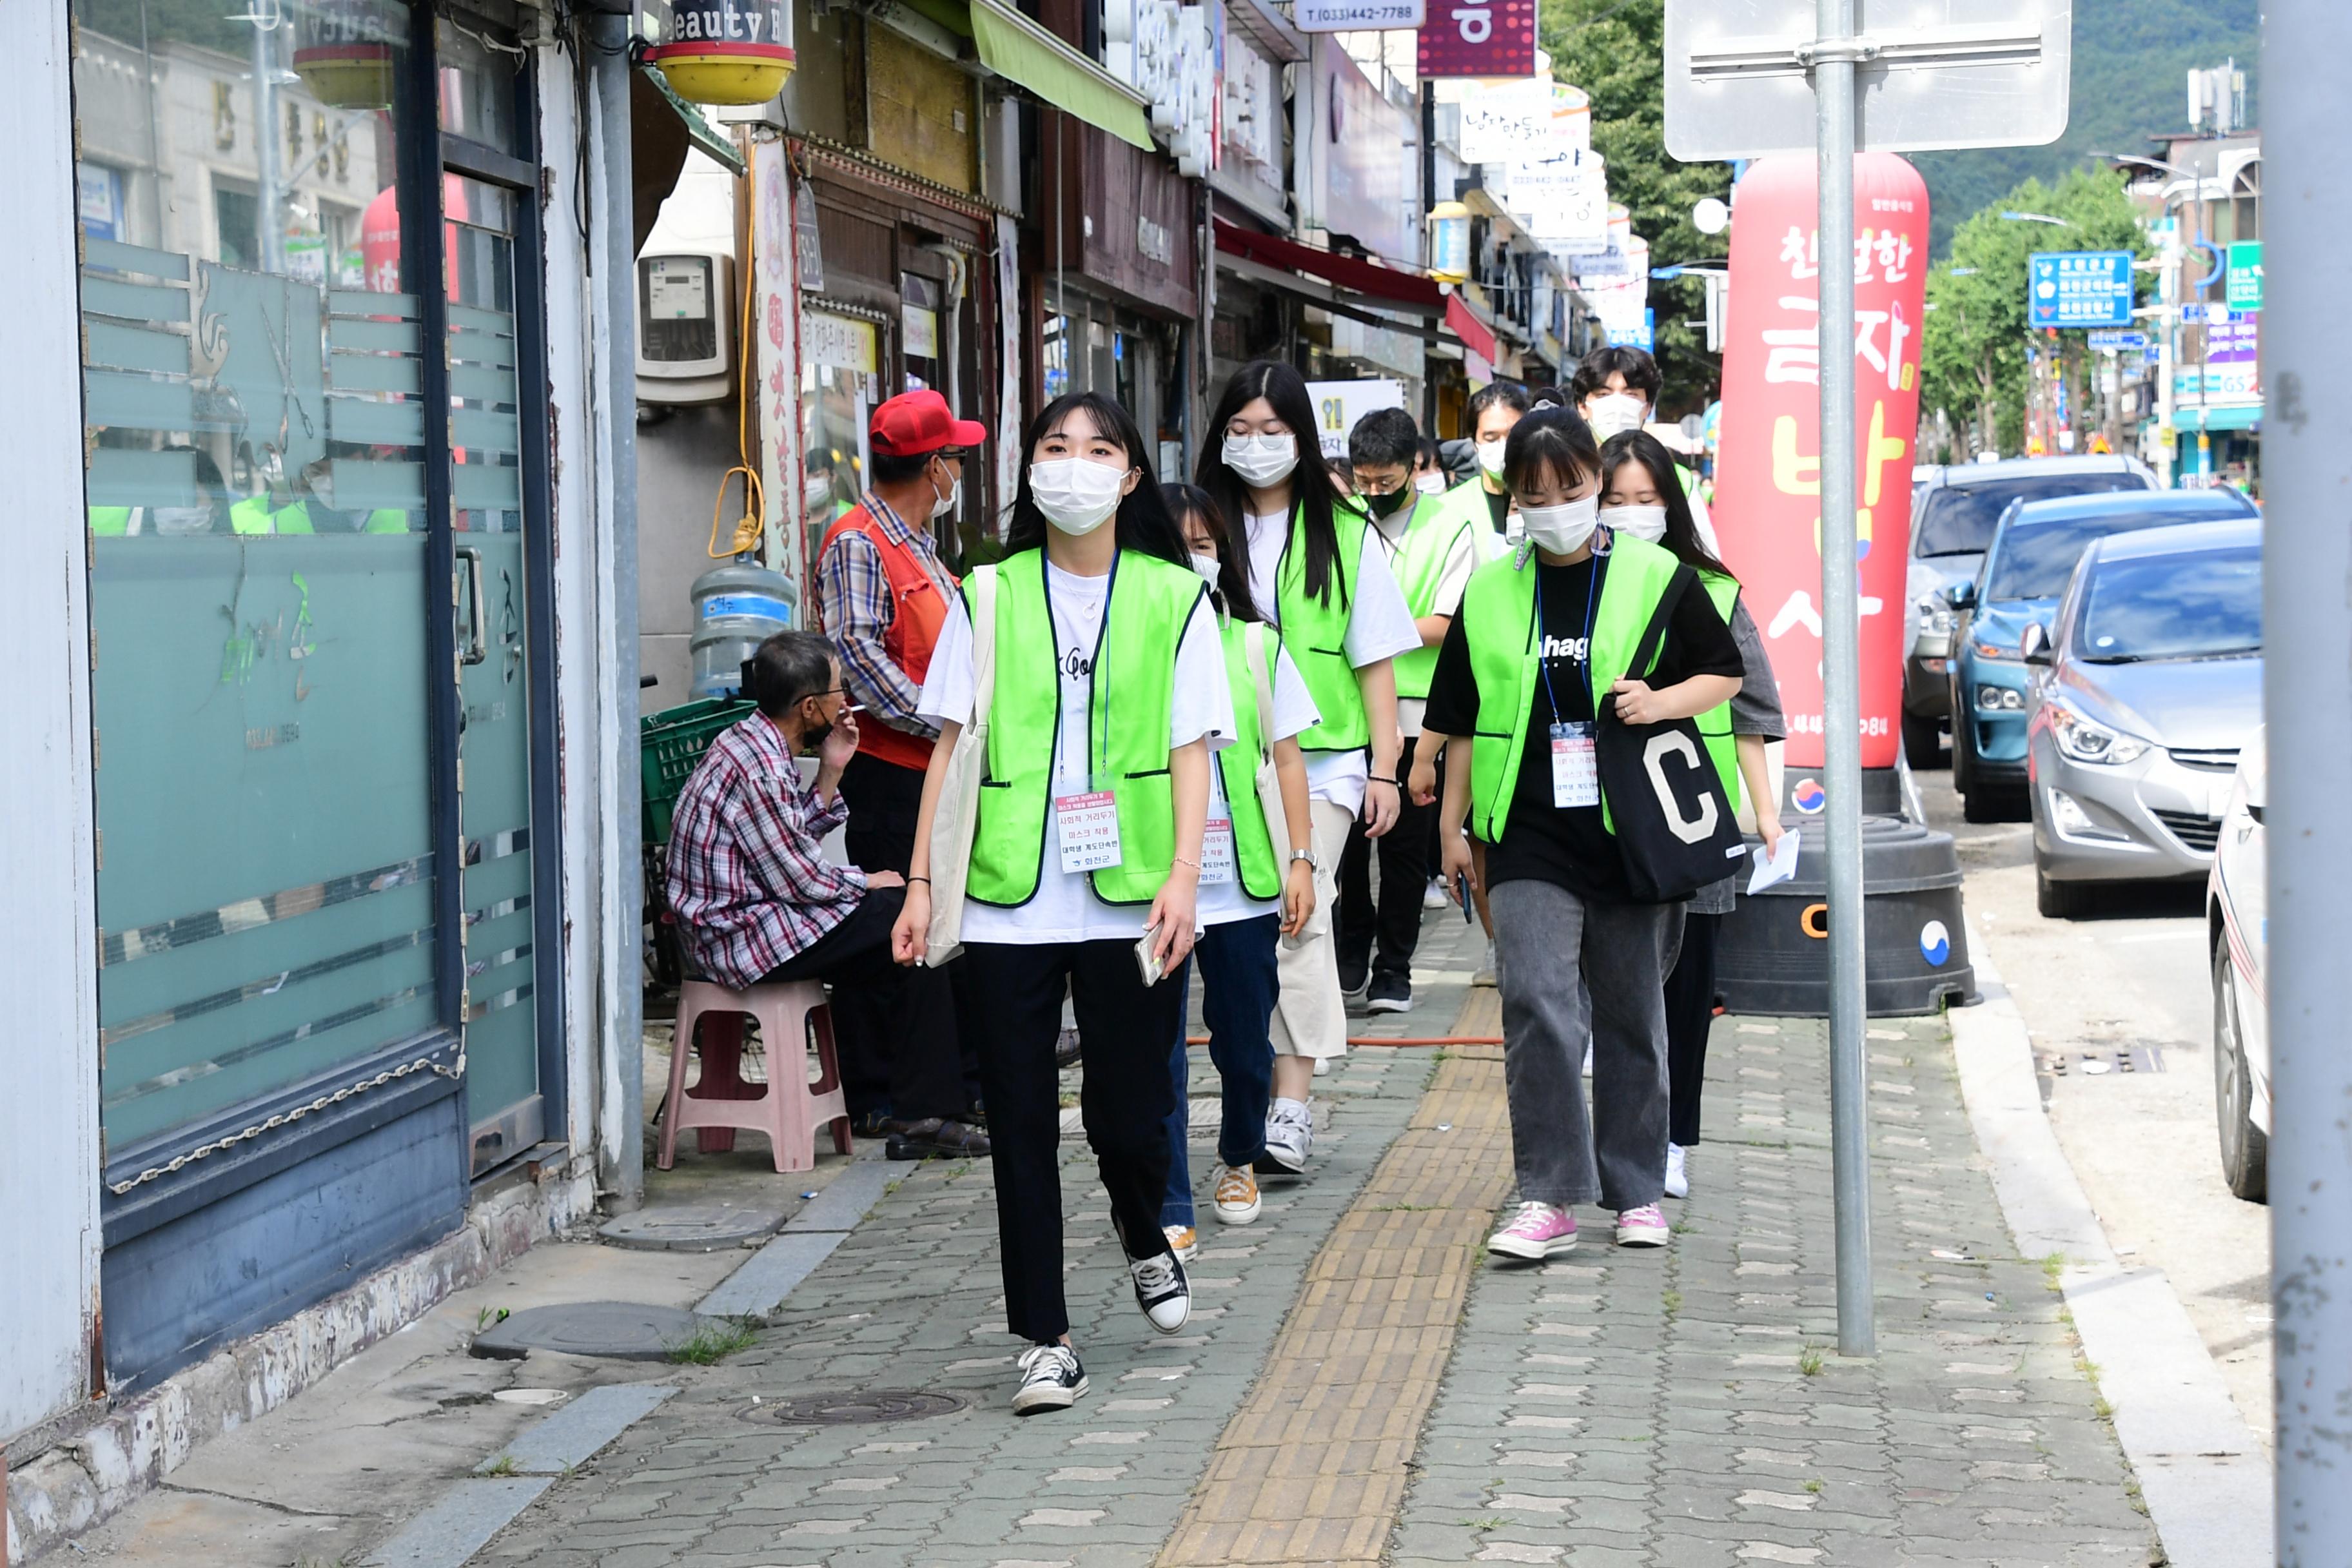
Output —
(1674, 826)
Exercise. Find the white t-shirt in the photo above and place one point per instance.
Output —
(1065, 907)
(1460, 562)
(1294, 712)
(1380, 625)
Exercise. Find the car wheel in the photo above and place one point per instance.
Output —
(2245, 1148)
(2055, 899)
(1923, 742)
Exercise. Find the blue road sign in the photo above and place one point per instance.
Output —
(2079, 288)
(1643, 337)
(2120, 341)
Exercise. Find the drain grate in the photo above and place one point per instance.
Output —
(866, 1407)
(2098, 1063)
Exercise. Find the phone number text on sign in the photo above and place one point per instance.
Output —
(1358, 16)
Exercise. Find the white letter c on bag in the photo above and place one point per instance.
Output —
(1690, 830)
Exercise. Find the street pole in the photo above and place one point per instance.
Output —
(2307, 626)
(1835, 51)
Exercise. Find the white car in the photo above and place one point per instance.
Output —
(2237, 924)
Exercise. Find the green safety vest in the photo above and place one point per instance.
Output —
(1467, 503)
(1420, 564)
(1128, 711)
(1237, 764)
(1315, 630)
(1499, 610)
(255, 515)
(1715, 725)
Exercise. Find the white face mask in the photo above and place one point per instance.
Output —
(1614, 413)
(179, 521)
(816, 492)
(1490, 455)
(947, 503)
(1076, 495)
(1430, 484)
(1647, 522)
(1562, 530)
(1209, 567)
(1262, 460)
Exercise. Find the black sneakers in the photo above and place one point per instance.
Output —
(1390, 994)
(1051, 1379)
(1162, 1290)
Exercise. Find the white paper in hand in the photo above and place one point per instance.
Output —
(1778, 867)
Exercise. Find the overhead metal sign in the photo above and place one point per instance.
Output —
(1738, 83)
(2078, 288)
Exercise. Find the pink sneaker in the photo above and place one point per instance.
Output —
(1539, 1231)
(1644, 1227)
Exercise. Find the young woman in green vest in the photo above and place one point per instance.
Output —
(1316, 576)
(1641, 495)
(1110, 699)
(1546, 637)
(1252, 893)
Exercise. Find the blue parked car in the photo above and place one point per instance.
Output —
(2025, 571)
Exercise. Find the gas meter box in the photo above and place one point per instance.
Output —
(686, 327)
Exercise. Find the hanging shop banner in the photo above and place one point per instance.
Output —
(1478, 38)
(1340, 404)
(1769, 472)
(776, 275)
(1360, 172)
(1499, 119)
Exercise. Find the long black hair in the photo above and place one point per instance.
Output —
(1552, 439)
(1142, 522)
(1233, 558)
(1682, 528)
(1311, 489)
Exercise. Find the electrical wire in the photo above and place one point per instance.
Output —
(753, 522)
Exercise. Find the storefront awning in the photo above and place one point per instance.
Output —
(1475, 335)
(2217, 416)
(1058, 75)
(1380, 286)
(1326, 297)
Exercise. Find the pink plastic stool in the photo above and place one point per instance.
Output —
(792, 1108)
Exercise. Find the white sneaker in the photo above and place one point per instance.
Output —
(1162, 1290)
(1486, 974)
(1434, 897)
(1289, 1133)
(1051, 1379)
(1677, 1170)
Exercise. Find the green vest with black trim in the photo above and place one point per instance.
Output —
(1715, 725)
(1315, 630)
(1419, 566)
(1467, 503)
(1253, 858)
(1129, 710)
(1498, 611)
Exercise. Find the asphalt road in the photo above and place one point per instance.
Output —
(2129, 977)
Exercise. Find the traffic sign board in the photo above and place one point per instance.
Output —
(2115, 339)
(2079, 288)
(1642, 335)
(2245, 285)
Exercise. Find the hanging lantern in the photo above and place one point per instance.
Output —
(726, 51)
(344, 52)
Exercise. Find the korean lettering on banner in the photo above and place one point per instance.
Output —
(1478, 38)
(775, 281)
(1340, 404)
(1767, 502)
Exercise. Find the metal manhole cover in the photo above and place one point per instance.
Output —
(865, 1408)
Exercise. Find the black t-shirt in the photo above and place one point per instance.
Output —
(1568, 845)
(1499, 508)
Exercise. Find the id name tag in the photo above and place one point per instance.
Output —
(1217, 851)
(1575, 766)
(1087, 827)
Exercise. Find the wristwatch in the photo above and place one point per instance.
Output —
(1307, 856)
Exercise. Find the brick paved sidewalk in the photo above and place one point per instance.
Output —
(1360, 1384)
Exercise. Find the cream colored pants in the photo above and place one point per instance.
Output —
(1309, 1018)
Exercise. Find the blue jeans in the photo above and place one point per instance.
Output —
(1238, 986)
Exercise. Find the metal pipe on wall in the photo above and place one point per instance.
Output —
(2307, 630)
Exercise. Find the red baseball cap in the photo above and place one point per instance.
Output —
(914, 423)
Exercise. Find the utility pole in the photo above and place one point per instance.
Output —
(2307, 626)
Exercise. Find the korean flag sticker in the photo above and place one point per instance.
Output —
(1935, 943)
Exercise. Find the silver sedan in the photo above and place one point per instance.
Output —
(2145, 685)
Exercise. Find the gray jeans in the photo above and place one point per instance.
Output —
(1572, 969)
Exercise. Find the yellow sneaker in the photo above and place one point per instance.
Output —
(1183, 1241)
(1237, 1199)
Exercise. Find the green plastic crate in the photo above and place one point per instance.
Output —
(671, 743)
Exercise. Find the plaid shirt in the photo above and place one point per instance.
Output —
(854, 601)
(746, 878)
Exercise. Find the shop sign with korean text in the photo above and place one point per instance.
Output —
(1478, 38)
(1356, 15)
(1340, 404)
(2245, 285)
(2078, 288)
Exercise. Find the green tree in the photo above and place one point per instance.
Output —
(1973, 345)
(1614, 50)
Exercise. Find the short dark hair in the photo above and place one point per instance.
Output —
(1187, 501)
(1509, 394)
(1427, 453)
(1554, 441)
(1383, 437)
(785, 669)
(890, 469)
(1640, 371)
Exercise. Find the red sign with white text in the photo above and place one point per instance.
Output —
(1479, 37)
(1767, 484)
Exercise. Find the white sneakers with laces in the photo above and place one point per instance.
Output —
(1162, 1290)
(1051, 1379)
(1289, 1134)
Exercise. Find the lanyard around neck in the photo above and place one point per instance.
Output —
(1543, 662)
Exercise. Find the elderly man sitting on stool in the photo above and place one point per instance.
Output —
(758, 901)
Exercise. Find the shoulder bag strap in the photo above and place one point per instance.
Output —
(983, 643)
(1253, 652)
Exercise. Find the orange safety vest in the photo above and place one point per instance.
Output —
(917, 612)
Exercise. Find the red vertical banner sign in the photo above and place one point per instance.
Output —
(1478, 38)
(1768, 488)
